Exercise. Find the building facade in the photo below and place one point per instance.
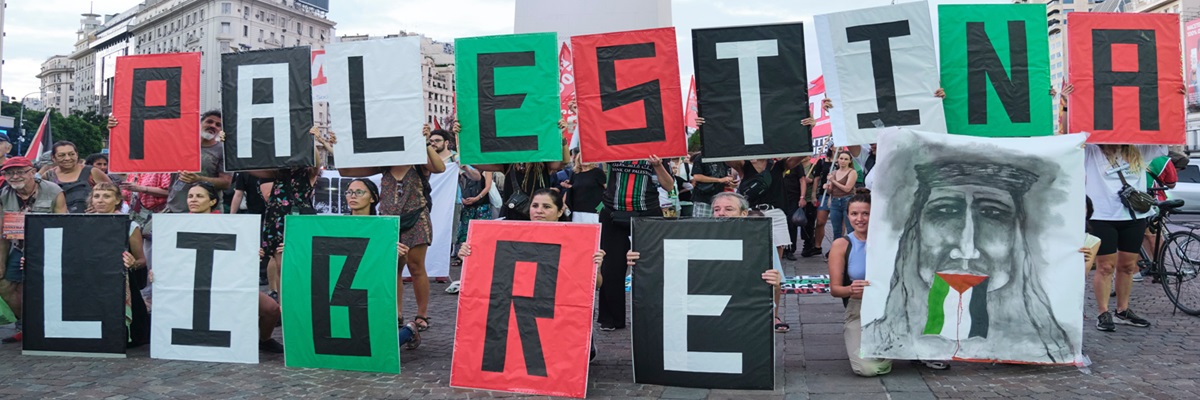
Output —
(58, 84)
(3, 33)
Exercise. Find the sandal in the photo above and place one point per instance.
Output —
(781, 327)
(933, 364)
(422, 323)
(453, 288)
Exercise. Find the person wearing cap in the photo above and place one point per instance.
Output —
(24, 193)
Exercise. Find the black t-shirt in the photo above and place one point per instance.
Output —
(791, 184)
(515, 179)
(774, 194)
(587, 191)
(249, 184)
(712, 170)
(819, 173)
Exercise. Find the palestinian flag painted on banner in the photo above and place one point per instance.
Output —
(958, 306)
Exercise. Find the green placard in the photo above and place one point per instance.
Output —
(352, 261)
(996, 70)
(508, 101)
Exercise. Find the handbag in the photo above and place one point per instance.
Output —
(518, 202)
(1133, 199)
(409, 219)
(494, 196)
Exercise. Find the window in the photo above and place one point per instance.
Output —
(225, 27)
(245, 31)
(260, 34)
(226, 8)
(299, 28)
(310, 31)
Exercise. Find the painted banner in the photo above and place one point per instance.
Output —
(156, 99)
(339, 291)
(329, 195)
(1019, 298)
(206, 288)
(1191, 46)
(319, 90)
(753, 91)
(376, 102)
(267, 103)
(996, 69)
(821, 130)
(444, 191)
(509, 92)
(627, 90)
(525, 308)
(1127, 76)
(697, 277)
(896, 42)
(566, 83)
(75, 285)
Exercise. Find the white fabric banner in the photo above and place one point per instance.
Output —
(973, 249)
(445, 189)
(880, 69)
(199, 257)
(376, 102)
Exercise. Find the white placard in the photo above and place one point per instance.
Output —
(376, 102)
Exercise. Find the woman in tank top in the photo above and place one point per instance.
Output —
(841, 186)
(75, 179)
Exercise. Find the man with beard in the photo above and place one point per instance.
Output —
(212, 163)
(23, 194)
(966, 237)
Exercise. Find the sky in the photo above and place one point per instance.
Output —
(38, 29)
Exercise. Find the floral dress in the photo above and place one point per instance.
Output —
(291, 195)
(407, 196)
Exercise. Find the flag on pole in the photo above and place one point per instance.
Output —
(566, 88)
(42, 140)
(689, 115)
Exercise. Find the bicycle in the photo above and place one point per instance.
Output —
(1177, 261)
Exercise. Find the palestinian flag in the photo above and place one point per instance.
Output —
(958, 306)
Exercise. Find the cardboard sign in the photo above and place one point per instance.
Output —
(1126, 73)
(525, 308)
(267, 109)
(628, 95)
(697, 277)
(156, 99)
(376, 102)
(996, 69)
(14, 225)
(339, 287)
(75, 285)
(879, 68)
(507, 99)
(753, 91)
(206, 301)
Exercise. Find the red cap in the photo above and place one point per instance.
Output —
(16, 162)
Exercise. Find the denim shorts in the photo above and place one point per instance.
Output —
(12, 269)
(824, 206)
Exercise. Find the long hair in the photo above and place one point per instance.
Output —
(1127, 152)
(373, 190)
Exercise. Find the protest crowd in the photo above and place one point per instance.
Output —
(781, 193)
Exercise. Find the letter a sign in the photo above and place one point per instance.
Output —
(696, 277)
(1127, 76)
(525, 309)
(267, 102)
(156, 99)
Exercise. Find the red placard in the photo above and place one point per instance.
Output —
(525, 308)
(156, 100)
(1126, 71)
(627, 86)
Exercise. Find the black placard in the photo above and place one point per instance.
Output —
(139, 112)
(879, 36)
(648, 93)
(1145, 79)
(205, 245)
(527, 309)
(262, 126)
(983, 65)
(355, 300)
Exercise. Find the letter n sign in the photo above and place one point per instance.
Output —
(524, 315)
(696, 277)
(996, 70)
(1126, 69)
(156, 101)
(627, 86)
(267, 101)
(339, 277)
(508, 98)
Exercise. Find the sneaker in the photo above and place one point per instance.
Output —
(607, 328)
(1137, 277)
(1127, 317)
(270, 346)
(789, 256)
(415, 341)
(13, 339)
(810, 252)
(453, 288)
(1104, 322)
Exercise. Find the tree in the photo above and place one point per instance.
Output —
(86, 130)
(693, 142)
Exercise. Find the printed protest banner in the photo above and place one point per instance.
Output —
(376, 102)
(696, 277)
(525, 308)
(339, 293)
(206, 288)
(996, 69)
(753, 91)
(1017, 294)
(566, 90)
(628, 95)
(1127, 77)
(1191, 46)
(156, 101)
(508, 99)
(267, 109)
(878, 65)
(75, 285)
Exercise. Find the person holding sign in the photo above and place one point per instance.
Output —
(23, 194)
(212, 162)
(403, 195)
(106, 199)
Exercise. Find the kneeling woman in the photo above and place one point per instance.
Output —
(201, 198)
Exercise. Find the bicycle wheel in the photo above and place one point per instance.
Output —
(1178, 268)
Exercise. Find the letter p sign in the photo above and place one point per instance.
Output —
(156, 102)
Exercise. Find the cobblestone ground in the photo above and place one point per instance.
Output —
(1157, 362)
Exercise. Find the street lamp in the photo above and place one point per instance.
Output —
(20, 121)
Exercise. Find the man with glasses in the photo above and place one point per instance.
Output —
(23, 194)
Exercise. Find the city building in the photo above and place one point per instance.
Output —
(58, 84)
(84, 59)
(3, 34)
